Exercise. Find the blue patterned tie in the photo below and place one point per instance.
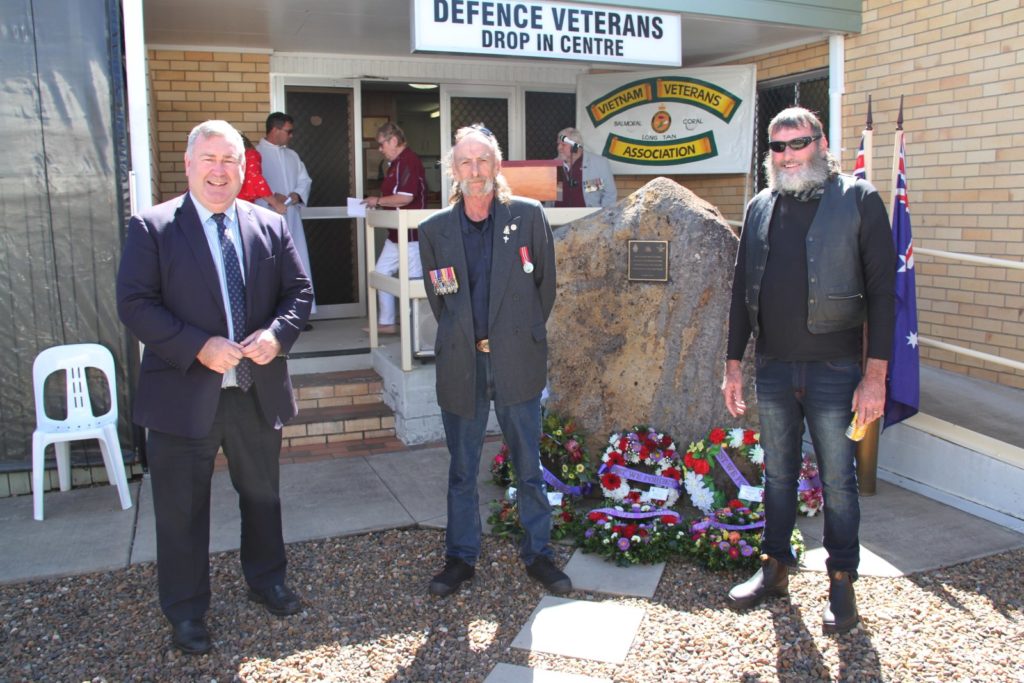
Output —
(236, 297)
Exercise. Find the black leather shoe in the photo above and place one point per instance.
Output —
(772, 579)
(191, 637)
(454, 574)
(280, 600)
(840, 613)
(553, 578)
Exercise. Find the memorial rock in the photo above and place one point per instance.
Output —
(625, 352)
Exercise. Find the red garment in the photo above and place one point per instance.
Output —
(572, 185)
(405, 175)
(254, 185)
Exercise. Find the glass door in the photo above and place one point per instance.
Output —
(494, 107)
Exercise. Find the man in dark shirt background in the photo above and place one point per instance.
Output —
(815, 262)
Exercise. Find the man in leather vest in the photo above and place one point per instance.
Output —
(815, 262)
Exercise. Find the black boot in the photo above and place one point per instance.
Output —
(772, 579)
(841, 609)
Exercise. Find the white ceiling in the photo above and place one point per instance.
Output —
(382, 28)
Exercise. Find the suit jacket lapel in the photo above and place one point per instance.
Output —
(192, 230)
(249, 230)
(504, 255)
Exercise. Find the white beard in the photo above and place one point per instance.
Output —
(803, 179)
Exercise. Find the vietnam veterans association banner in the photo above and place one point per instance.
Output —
(678, 121)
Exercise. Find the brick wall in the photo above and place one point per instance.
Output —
(191, 87)
(960, 68)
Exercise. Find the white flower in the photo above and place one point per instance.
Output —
(736, 437)
(700, 495)
(757, 455)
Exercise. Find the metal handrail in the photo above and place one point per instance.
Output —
(962, 350)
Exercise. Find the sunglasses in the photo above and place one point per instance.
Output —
(779, 146)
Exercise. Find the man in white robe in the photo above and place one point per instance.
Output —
(288, 180)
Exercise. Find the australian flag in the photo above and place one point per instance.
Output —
(903, 391)
(859, 167)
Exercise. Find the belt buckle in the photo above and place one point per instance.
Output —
(484, 346)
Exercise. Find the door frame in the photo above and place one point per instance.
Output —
(510, 93)
(278, 83)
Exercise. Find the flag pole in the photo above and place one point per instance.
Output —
(867, 448)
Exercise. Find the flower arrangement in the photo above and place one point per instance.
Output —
(730, 538)
(566, 469)
(566, 521)
(724, 460)
(641, 466)
(633, 534)
(563, 457)
(809, 494)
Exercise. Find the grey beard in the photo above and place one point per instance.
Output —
(807, 179)
(465, 187)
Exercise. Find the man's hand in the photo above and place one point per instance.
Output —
(220, 354)
(261, 347)
(869, 398)
(276, 204)
(732, 388)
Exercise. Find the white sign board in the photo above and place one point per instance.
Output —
(547, 30)
(681, 121)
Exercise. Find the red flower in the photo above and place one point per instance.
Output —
(644, 453)
(618, 529)
(614, 458)
(630, 531)
(688, 461)
(748, 438)
(623, 443)
(633, 496)
(597, 516)
(696, 537)
(666, 441)
(566, 516)
(570, 427)
(672, 473)
(735, 503)
(701, 467)
(668, 519)
(717, 435)
(644, 533)
(611, 481)
(734, 552)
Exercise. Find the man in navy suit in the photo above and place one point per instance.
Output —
(491, 266)
(214, 289)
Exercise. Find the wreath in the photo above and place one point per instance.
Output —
(730, 538)
(809, 497)
(641, 466)
(504, 519)
(567, 471)
(633, 534)
(725, 460)
(564, 463)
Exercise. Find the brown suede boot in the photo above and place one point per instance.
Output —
(772, 579)
(840, 613)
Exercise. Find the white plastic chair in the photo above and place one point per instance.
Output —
(80, 422)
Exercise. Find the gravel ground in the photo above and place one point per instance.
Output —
(369, 618)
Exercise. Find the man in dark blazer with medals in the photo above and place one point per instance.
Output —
(490, 261)
(214, 289)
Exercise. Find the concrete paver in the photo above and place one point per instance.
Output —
(599, 631)
(509, 673)
(591, 572)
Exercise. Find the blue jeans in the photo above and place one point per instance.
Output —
(821, 393)
(520, 426)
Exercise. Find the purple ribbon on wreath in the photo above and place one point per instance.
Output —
(702, 525)
(808, 484)
(622, 514)
(559, 485)
(652, 479)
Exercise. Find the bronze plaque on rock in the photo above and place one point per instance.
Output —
(648, 261)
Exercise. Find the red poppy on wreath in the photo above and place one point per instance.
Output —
(736, 503)
(611, 481)
(717, 435)
(749, 437)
